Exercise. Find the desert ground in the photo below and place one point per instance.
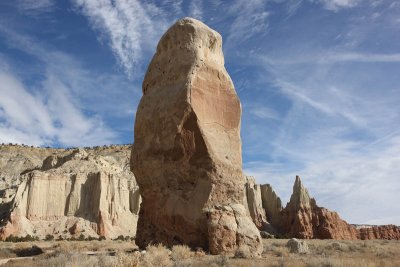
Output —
(324, 253)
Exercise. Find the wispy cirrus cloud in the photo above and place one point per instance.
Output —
(130, 27)
(263, 112)
(35, 7)
(335, 5)
(46, 116)
(66, 105)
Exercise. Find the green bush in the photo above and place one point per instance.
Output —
(26, 238)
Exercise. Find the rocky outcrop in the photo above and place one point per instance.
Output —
(272, 204)
(389, 232)
(253, 201)
(73, 192)
(302, 218)
(187, 150)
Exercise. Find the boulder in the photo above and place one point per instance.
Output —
(297, 246)
(187, 155)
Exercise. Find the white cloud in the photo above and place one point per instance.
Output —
(264, 112)
(250, 19)
(102, 93)
(338, 4)
(35, 6)
(131, 26)
(358, 184)
(67, 106)
(45, 117)
(196, 9)
(328, 57)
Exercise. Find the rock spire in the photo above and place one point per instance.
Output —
(187, 155)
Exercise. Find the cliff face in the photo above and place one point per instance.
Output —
(91, 191)
(67, 192)
(390, 232)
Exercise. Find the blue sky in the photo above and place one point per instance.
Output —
(318, 81)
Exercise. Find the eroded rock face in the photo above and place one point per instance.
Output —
(75, 191)
(272, 205)
(187, 151)
(253, 201)
(302, 218)
(389, 232)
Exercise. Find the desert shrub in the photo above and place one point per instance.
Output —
(157, 256)
(49, 237)
(90, 238)
(220, 261)
(68, 260)
(181, 252)
(321, 262)
(81, 237)
(27, 238)
(243, 252)
(338, 246)
(125, 260)
(101, 238)
(120, 237)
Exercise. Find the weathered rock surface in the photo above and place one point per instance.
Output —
(272, 205)
(253, 201)
(67, 192)
(390, 232)
(302, 218)
(297, 246)
(187, 151)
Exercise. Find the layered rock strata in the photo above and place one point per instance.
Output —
(72, 192)
(187, 150)
(390, 232)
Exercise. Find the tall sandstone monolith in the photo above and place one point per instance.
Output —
(187, 155)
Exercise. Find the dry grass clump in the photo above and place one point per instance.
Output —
(220, 261)
(67, 260)
(156, 256)
(126, 260)
(181, 252)
(276, 248)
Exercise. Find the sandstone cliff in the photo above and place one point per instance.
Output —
(64, 192)
(390, 232)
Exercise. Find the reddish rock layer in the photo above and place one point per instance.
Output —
(390, 232)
